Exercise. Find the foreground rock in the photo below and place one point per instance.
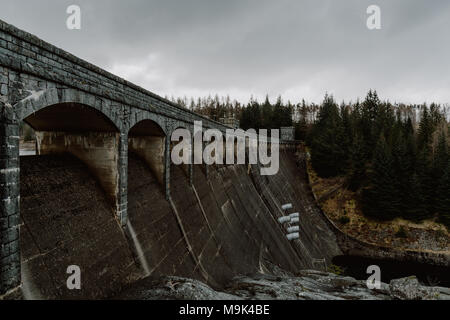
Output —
(410, 289)
(307, 285)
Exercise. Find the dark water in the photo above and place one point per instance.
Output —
(390, 269)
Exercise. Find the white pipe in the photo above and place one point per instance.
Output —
(284, 219)
(294, 215)
(293, 236)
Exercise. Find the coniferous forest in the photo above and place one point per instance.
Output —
(399, 167)
(396, 157)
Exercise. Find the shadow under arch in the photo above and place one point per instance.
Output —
(70, 117)
(147, 139)
(75, 221)
(83, 131)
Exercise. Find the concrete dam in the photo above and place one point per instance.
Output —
(102, 193)
(221, 226)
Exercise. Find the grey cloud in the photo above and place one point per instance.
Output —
(300, 49)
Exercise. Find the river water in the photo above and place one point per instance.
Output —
(390, 269)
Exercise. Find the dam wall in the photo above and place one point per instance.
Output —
(223, 225)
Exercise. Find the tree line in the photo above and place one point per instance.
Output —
(255, 115)
(396, 157)
(398, 167)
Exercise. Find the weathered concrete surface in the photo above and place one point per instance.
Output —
(155, 224)
(98, 150)
(220, 226)
(290, 185)
(212, 231)
(151, 149)
(306, 285)
(68, 220)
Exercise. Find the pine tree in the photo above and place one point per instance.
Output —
(327, 154)
(440, 159)
(357, 165)
(267, 114)
(369, 113)
(413, 200)
(379, 198)
(426, 129)
(347, 137)
(301, 127)
(402, 169)
(425, 181)
(443, 196)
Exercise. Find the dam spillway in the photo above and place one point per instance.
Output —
(222, 226)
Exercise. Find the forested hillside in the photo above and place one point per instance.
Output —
(398, 168)
(396, 157)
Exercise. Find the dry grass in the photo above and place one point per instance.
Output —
(428, 235)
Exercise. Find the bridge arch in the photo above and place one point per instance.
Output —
(147, 139)
(146, 117)
(43, 99)
(71, 122)
(66, 125)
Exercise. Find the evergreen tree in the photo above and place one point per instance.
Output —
(443, 196)
(301, 127)
(357, 171)
(379, 198)
(440, 160)
(327, 154)
(369, 113)
(347, 137)
(424, 172)
(267, 114)
(413, 200)
(426, 129)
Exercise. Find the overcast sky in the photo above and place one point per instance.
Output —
(296, 48)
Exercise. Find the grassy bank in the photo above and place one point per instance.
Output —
(342, 206)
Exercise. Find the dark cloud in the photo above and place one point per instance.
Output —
(300, 49)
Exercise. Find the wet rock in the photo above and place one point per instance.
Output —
(409, 288)
(442, 293)
(307, 285)
(173, 288)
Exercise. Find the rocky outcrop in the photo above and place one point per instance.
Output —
(307, 285)
(409, 289)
